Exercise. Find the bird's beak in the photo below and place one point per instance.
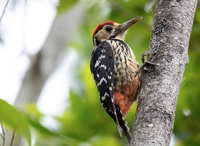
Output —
(125, 26)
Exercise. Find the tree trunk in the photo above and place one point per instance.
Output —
(160, 84)
(44, 63)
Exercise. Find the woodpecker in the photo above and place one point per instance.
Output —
(114, 67)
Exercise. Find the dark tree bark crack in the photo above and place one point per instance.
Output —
(160, 84)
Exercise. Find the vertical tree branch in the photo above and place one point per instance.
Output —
(44, 63)
(12, 139)
(3, 135)
(160, 84)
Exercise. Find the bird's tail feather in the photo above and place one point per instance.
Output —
(124, 127)
(126, 130)
(120, 130)
(122, 124)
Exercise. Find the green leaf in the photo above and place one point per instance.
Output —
(15, 119)
(36, 124)
(50, 134)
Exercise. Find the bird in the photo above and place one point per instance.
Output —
(114, 69)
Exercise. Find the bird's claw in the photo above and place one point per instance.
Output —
(151, 63)
(143, 56)
(149, 56)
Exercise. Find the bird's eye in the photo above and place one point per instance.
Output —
(108, 28)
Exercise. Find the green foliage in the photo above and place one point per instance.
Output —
(65, 5)
(84, 121)
(37, 125)
(15, 120)
(187, 127)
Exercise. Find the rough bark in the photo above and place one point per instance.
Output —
(160, 85)
(45, 61)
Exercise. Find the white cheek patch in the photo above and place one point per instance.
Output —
(102, 35)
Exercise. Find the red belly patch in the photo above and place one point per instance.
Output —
(126, 96)
(123, 102)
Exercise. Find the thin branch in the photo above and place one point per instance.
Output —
(3, 134)
(4, 9)
(13, 136)
(2, 139)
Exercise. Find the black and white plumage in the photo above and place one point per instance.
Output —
(114, 66)
(102, 68)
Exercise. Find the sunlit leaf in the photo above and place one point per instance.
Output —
(15, 119)
(36, 124)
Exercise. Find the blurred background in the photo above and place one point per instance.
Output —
(45, 48)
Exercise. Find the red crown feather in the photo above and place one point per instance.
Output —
(100, 26)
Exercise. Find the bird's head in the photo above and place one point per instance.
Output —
(111, 29)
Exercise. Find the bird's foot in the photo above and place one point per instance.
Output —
(148, 56)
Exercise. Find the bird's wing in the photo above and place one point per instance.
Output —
(102, 68)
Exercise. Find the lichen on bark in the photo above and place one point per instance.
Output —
(160, 85)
